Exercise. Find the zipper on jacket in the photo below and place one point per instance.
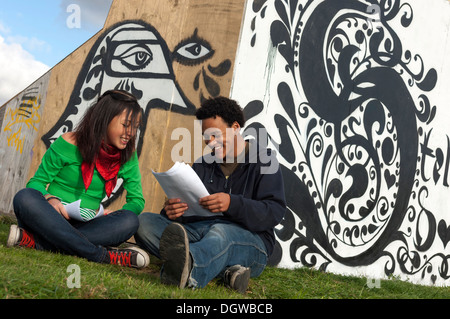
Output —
(226, 183)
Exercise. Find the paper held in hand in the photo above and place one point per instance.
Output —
(182, 182)
(75, 212)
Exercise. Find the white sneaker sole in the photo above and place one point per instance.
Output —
(13, 237)
(143, 259)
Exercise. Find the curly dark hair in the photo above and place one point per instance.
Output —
(228, 109)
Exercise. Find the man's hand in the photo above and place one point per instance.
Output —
(59, 207)
(216, 203)
(175, 208)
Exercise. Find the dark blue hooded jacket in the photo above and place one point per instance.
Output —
(256, 188)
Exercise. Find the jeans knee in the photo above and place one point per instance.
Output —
(24, 200)
(149, 222)
(149, 232)
(221, 231)
(143, 224)
(130, 220)
(24, 195)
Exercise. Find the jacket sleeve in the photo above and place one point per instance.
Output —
(50, 166)
(131, 176)
(267, 207)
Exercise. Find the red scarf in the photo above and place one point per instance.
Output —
(107, 164)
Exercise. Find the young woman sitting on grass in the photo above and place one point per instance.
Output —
(85, 165)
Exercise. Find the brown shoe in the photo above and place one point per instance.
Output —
(174, 251)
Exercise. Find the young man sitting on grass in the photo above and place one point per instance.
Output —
(247, 196)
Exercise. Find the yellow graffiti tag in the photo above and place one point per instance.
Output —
(27, 113)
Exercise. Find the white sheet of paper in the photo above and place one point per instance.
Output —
(182, 182)
(73, 210)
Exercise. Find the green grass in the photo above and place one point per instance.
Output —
(30, 274)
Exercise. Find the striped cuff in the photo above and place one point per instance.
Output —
(50, 196)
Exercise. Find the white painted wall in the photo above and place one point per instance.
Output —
(405, 232)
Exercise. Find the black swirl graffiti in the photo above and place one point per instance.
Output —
(353, 168)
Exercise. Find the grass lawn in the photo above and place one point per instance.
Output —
(30, 274)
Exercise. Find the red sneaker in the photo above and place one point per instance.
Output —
(129, 257)
(20, 237)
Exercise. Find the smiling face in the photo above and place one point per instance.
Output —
(120, 130)
(220, 137)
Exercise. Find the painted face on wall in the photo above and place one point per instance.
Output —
(134, 57)
(199, 60)
(131, 56)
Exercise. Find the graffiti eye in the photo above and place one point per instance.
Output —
(136, 58)
(142, 59)
(193, 51)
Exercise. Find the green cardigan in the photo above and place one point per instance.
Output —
(60, 169)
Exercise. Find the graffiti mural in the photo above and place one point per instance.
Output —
(194, 51)
(18, 132)
(27, 113)
(133, 56)
(347, 105)
(130, 56)
(352, 94)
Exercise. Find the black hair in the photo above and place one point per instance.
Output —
(93, 128)
(228, 109)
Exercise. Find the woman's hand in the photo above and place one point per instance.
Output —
(175, 208)
(59, 207)
(107, 212)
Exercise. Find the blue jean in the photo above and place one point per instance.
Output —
(53, 232)
(214, 246)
